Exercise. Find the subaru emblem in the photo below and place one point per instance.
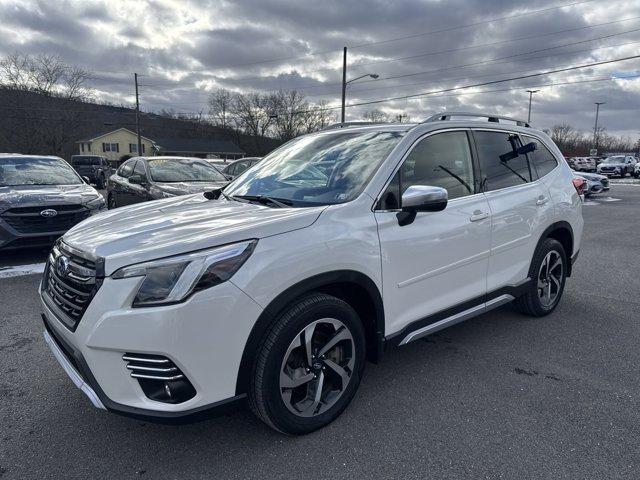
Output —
(48, 213)
(62, 265)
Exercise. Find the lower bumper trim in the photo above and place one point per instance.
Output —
(72, 373)
(81, 375)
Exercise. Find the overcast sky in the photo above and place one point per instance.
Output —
(188, 48)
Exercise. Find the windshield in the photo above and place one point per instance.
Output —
(85, 161)
(321, 169)
(15, 171)
(614, 160)
(171, 170)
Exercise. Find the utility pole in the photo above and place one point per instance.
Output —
(531, 92)
(344, 81)
(135, 77)
(595, 128)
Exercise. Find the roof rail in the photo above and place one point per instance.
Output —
(351, 124)
(490, 117)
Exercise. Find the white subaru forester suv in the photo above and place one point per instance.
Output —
(277, 289)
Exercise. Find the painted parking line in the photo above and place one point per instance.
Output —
(600, 200)
(20, 270)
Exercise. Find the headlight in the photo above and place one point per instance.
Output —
(98, 203)
(173, 279)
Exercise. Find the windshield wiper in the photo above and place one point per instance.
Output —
(264, 199)
(457, 177)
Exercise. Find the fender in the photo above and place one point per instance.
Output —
(321, 282)
(562, 232)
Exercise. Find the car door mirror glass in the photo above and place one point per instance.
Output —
(137, 179)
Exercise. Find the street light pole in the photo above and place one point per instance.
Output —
(344, 81)
(595, 128)
(135, 77)
(531, 92)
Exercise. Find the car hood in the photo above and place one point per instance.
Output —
(45, 195)
(184, 188)
(604, 165)
(172, 226)
(591, 176)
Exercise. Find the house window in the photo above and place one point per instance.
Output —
(88, 147)
(133, 148)
(110, 147)
(82, 147)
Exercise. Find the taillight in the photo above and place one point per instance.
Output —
(578, 183)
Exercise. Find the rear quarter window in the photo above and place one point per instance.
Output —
(542, 159)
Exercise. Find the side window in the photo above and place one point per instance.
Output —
(231, 169)
(390, 199)
(126, 169)
(542, 159)
(139, 169)
(440, 160)
(500, 163)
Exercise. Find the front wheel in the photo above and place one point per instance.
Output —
(111, 202)
(548, 273)
(309, 365)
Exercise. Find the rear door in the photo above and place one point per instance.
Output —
(139, 192)
(440, 260)
(520, 206)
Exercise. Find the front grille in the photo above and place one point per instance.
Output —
(607, 169)
(30, 220)
(152, 367)
(69, 284)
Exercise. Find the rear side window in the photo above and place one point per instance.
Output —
(542, 159)
(500, 163)
(440, 160)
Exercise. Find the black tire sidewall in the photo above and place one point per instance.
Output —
(547, 246)
(278, 413)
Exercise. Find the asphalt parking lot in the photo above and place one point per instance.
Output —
(500, 396)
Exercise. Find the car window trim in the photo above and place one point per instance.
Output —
(408, 152)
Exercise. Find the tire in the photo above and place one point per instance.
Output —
(533, 302)
(111, 202)
(283, 357)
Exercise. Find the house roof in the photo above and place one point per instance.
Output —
(107, 132)
(197, 145)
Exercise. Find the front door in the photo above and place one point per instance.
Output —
(438, 261)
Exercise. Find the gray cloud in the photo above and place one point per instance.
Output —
(187, 47)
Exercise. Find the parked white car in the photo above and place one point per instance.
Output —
(338, 245)
(584, 164)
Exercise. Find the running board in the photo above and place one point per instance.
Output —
(457, 318)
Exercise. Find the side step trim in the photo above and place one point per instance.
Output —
(457, 318)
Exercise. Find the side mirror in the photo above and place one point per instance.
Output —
(86, 180)
(137, 180)
(421, 198)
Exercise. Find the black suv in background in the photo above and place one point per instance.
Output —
(40, 199)
(151, 178)
(94, 167)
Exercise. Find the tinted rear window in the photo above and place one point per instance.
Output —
(77, 161)
(500, 165)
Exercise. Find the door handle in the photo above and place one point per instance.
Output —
(542, 200)
(478, 215)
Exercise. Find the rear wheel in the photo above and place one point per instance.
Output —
(309, 365)
(548, 274)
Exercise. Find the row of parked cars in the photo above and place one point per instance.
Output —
(615, 165)
(41, 197)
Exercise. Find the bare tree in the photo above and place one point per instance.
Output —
(289, 108)
(220, 106)
(376, 115)
(75, 80)
(14, 71)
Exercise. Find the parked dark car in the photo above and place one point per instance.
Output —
(95, 167)
(240, 166)
(40, 199)
(593, 183)
(151, 178)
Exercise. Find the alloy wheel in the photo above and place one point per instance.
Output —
(317, 367)
(550, 279)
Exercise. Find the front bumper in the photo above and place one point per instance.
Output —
(205, 343)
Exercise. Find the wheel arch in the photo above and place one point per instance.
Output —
(563, 233)
(352, 286)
